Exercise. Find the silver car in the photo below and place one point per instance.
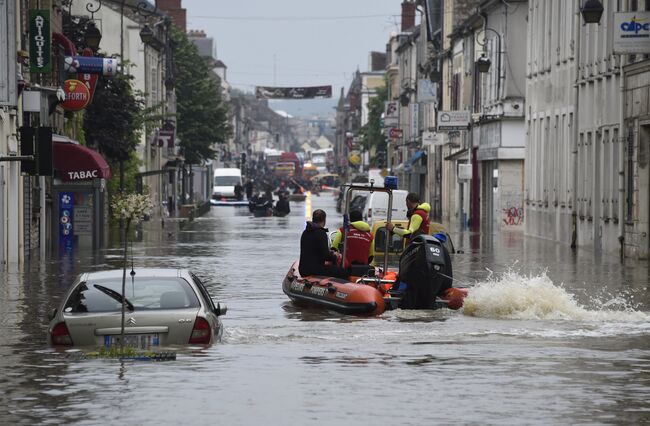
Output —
(163, 307)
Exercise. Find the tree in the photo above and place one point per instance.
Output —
(372, 133)
(202, 117)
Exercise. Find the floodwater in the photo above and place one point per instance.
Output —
(547, 336)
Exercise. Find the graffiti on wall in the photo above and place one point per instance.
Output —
(513, 216)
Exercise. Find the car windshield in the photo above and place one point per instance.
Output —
(226, 180)
(147, 293)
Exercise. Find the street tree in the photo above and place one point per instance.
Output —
(372, 133)
(202, 116)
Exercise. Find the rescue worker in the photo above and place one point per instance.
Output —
(360, 249)
(315, 251)
(418, 215)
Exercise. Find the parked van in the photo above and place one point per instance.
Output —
(376, 206)
(224, 183)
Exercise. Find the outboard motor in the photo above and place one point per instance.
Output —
(425, 267)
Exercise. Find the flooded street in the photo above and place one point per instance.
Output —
(547, 337)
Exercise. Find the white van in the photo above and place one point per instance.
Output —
(376, 207)
(224, 182)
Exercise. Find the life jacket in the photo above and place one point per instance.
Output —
(358, 240)
(421, 210)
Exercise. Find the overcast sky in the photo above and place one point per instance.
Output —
(313, 42)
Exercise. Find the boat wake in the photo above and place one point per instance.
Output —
(514, 296)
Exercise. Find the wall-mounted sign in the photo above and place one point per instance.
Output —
(266, 92)
(91, 65)
(453, 120)
(631, 32)
(464, 171)
(77, 95)
(40, 41)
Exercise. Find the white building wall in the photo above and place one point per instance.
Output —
(572, 171)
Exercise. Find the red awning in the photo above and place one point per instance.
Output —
(74, 162)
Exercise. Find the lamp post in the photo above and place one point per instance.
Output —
(483, 63)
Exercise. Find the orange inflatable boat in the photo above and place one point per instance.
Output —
(356, 296)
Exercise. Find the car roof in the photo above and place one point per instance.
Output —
(141, 272)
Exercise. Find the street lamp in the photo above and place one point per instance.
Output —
(483, 64)
(92, 36)
(592, 11)
(405, 96)
(146, 34)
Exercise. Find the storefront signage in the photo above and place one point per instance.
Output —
(66, 220)
(91, 65)
(83, 175)
(266, 92)
(453, 120)
(40, 42)
(631, 32)
(77, 95)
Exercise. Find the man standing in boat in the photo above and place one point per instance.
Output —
(418, 214)
(315, 251)
(359, 250)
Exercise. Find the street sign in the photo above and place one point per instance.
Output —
(453, 120)
(395, 133)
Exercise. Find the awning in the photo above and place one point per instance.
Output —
(74, 162)
(457, 155)
(418, 154)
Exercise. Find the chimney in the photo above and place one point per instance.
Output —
(408, 15)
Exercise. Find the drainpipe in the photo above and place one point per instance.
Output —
(576, 125)
(621, 151)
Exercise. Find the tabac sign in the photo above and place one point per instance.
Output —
(631, 32)
(40, 42)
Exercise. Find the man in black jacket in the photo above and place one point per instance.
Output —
(315, 251)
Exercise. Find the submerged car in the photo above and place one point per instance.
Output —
(163, 307)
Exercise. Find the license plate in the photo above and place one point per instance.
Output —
(138, 341)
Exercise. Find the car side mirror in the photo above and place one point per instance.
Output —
(221, 309)
(53, 314)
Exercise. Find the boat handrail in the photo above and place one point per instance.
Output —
(346, 212)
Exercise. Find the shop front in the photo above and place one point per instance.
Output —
(79, 197)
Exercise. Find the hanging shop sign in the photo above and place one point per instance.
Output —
(40, 42)
(90, 80)
(453, 120)
(91, 65)
(391, 114)
(432, 139)
(631, 32)
(77, 95)
(66, 220)
(268, 92)
(395, 133)
(427, 91)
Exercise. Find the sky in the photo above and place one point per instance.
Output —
(295, 42)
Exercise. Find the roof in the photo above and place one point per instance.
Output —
(147, 272)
